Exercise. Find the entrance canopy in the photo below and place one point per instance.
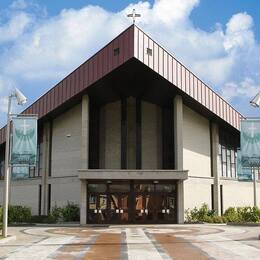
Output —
(107, 174)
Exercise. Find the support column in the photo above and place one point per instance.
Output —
(178, 152)
(84, 157)
(214, 165)
(46, 164)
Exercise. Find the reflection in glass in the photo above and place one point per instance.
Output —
(92, 201)
(97, 187)
(165, 187)
(119, 187)
(103, 201)
(144, 187)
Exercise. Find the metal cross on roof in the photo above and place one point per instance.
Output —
(133, 15)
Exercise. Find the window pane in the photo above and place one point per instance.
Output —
(119, 187)
(232, 156)
(233, 168)
(224, 169)
(165, 187)
(97, 187)
(224, 157)
(144, 187)
(228, 167)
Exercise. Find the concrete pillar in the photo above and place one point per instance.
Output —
(84, 157)
(178, 152)
(46, 165)
(214, 163)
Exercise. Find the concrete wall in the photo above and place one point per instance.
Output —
(64, 190)
(110, 136)
(25, 193)
(66, 158)
(151, 136)
(239, 194)
(196, 143)
(197, 191)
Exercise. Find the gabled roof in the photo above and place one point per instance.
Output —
(133, 43)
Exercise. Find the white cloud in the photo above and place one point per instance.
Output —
(19, 4)
(246, 88)
(48, 48)
(15, 27)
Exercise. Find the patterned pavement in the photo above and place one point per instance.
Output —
(134, 242)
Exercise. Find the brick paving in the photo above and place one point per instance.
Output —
(133, 242)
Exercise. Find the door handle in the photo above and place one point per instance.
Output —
(146, 211)
(163, 211)
(117, 210)
(99, 211)
(121, 211)
(167, 211)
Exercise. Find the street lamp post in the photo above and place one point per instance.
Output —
(255, 102)
(21, 100)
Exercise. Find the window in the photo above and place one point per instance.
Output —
(227, 154)
(116, 51)
(149, 51)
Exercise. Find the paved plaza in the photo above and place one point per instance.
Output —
(133, 242)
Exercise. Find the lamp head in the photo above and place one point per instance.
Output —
(21, 99)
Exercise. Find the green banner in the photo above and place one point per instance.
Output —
(243, 173)
(20, 172)
(250, 142)
(24, 141)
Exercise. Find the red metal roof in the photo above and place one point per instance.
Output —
(133, 43)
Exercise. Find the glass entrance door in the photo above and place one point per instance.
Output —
(97, 208)
(121, 202)
(145, 208)
(119, 208)
(166, 210)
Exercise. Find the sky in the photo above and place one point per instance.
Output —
(43, 41)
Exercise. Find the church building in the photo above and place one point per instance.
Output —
(132, 136)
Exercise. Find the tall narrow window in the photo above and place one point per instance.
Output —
(49, 198)
(221, 200)
(40, 200)
(212, 197)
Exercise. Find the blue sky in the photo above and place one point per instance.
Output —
(42, 41)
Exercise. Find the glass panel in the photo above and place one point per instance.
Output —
(228, 167)
(119, 187)
(124, 202)
(92, 201)
(102, 201)
(165, 187)
(233, 169)
(139, 202)
(144, 187)
(232, 156)
(224, 157)
(99, 187)
(224, 169)
(114, 202)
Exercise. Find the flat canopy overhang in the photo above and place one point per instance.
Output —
(107, 174)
